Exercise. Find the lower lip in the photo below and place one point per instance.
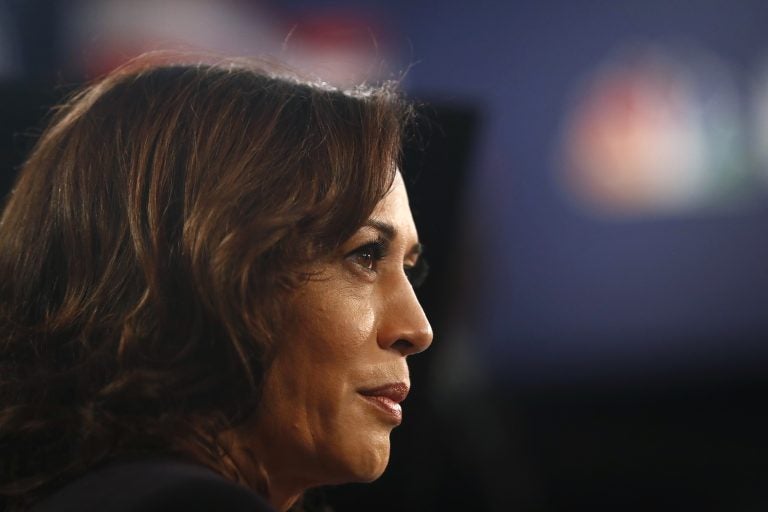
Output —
(391, 408)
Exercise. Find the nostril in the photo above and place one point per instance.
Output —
(404, 346)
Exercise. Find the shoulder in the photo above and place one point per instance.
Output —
(152, 485)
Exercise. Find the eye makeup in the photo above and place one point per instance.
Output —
(417, 274)
(368, 255)
(371, 253)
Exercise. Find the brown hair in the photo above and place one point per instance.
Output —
(147, 249)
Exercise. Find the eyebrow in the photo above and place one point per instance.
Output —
(390, 233)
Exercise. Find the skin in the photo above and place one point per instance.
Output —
(355, 324)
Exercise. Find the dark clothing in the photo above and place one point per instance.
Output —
(152, 485)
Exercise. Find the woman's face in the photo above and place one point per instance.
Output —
(330, 395)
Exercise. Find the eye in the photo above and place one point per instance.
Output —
(417, 273)
(367, 256)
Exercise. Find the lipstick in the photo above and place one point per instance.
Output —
(387, 399)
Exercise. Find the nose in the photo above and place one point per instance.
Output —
(404, 326)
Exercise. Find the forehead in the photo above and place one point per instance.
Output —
(395, 209)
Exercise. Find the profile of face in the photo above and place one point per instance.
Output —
(330, 398)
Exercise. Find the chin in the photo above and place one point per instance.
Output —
(375, 471)
(366, 463)
(372, 472)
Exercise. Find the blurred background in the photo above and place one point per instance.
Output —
(590, 179)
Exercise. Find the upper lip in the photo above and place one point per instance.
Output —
(395, 391)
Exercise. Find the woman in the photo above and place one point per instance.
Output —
(206, 293)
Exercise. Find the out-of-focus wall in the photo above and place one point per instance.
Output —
(618, 199)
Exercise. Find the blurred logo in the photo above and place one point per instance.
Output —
(656, 130)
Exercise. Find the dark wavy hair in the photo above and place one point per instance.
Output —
(147, 249)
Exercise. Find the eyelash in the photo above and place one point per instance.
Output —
(377, 250)
(417, 274)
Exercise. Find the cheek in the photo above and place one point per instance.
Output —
(333, 352)
(353, 439)
(339, 326)
(330, 335)
(319, 371)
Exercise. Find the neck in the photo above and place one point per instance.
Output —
(282, 502)
(251, 469)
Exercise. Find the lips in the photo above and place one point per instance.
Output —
(387, 399)
(396, 391)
